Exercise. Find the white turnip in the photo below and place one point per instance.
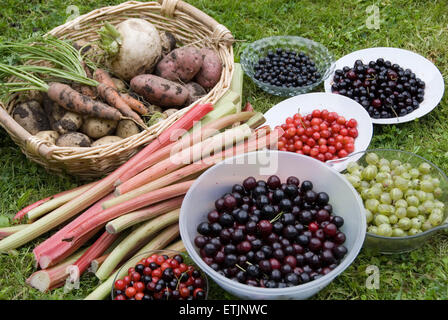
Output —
(133, 47)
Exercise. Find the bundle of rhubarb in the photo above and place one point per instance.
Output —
(134, 209)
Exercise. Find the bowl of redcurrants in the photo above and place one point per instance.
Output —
(272, 225)
(161, 275)
(405, 197)
(287, 65)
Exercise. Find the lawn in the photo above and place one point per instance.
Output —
(420, 26)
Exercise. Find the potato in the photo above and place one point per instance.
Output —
(96, 128)
(53, 111)
(210, 72)
(181, 64)
(168, 42)
(127, 128)
(73, 139)
(48, 135)
(195, 91)
(159, 91)
(31, 117)
(69, 122)
(106, 140)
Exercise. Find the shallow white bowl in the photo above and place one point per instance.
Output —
(422, 67)
(332, 102)
(220, 178)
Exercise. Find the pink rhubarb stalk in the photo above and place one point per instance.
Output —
(187, 141)
(53, 249)
(44, 280)
(95, 251)
(144, 200)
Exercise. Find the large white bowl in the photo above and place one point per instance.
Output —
(220, 178)
(332, 102)
(422, 67)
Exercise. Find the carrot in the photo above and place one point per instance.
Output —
(76, 102)
(108, 91)
(102, 76)
(112, 97)
(134, 104)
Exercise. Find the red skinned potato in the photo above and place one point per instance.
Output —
(181, 64)
(159, 91)
(211, 69)
(195, 92)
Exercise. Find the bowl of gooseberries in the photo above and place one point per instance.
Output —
(405, 198)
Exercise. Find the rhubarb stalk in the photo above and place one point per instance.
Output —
(159, 242)
(53, 249)
(128, 220)
(22, 213)
(186, 156)
(96, 263)
(187, 141)
(56, 202)
(95, 251)
(134, 240)
(44, 280)
(104, 186)
(7, 231)
(176, 246)
(126, 207)
(256, 142)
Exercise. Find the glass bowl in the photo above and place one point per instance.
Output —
(389, 245)
(169, 253)
(259, 49)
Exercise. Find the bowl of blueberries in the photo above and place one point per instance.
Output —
(287, 65)
(393, 85)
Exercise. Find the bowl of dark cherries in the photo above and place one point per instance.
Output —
(285, 235)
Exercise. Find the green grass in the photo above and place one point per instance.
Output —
(420, 26)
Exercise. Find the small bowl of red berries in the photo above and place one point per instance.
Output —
(287, 65)
(324, 126)
(161, 275)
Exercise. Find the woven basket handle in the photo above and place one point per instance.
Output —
(220, 32)
(32, 144)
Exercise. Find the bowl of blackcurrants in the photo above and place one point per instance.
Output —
(287, 65)
(393, 85)
(272, 225)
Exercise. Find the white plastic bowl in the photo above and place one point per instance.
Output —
(344, 106)
(220, 178)
(422, 67)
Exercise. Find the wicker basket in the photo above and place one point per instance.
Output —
(187, 23)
